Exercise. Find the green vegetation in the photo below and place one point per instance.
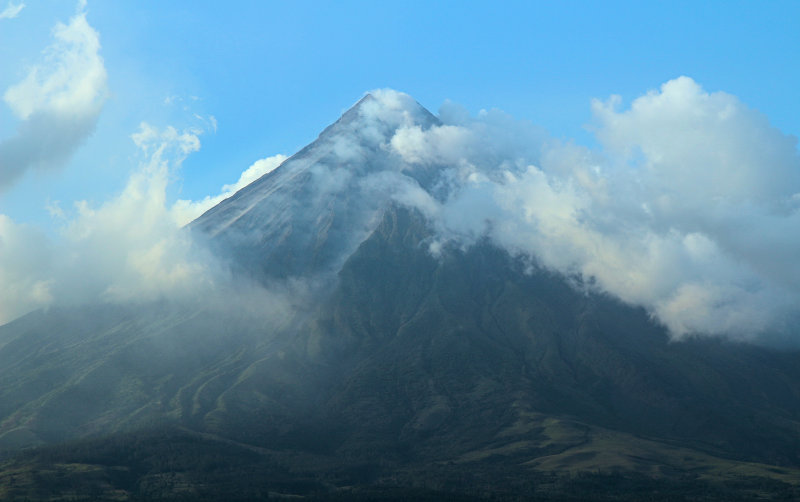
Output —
(170, 464)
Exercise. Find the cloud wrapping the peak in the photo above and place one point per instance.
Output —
(58, 102)
(690, 210)
(442, 145)
(679, 212)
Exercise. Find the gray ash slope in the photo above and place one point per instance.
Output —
(407, 362)
(308, 215)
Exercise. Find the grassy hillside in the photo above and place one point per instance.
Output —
(171, 464)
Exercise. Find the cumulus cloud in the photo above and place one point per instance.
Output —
(126, 249)
(12, 10)
(131, 248)
(58, 102)
(692, 145)
(691, 209)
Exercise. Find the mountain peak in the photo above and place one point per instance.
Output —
(386, 108)
(306, 217)
(390, 103)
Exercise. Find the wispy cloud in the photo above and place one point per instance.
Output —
(12, 10)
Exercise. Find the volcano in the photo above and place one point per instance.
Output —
(396, 365)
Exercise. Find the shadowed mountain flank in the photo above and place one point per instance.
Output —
(375, 359)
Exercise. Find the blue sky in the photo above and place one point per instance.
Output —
(273, 74)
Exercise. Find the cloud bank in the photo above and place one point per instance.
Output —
(691, 209)
(58, 102)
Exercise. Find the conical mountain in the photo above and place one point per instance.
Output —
(463, 373)
(309, 214)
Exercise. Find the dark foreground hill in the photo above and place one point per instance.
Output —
(467, 375)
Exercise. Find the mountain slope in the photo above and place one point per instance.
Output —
(472, 342)
(402, 368)
(307, 216)
(465, 366)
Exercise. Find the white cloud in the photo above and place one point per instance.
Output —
(25, 269)
(691, 210)
(441, 145)
(692, 145)
(258, 169)
(58, 102)
(135, 249)
(12, 10)
(126, 249)
(130, 248)
(184, 211)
